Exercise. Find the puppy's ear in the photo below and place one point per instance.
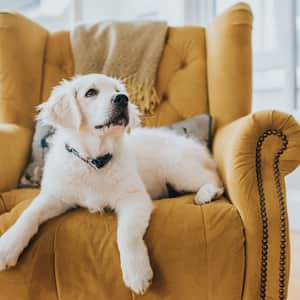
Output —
(61, 109)
(134, 116)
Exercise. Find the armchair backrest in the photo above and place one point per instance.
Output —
(201, 69)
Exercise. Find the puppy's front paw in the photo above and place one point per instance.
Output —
(8, 253)
(207, 193)
(138, 274)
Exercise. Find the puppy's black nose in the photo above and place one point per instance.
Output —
(120, 100)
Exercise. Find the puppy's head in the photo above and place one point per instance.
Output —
(91, 102)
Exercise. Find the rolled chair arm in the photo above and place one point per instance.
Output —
(254, 153)
(15, 144)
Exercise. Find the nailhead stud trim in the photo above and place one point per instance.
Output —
(264, 216)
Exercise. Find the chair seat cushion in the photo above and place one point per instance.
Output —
(197, 252)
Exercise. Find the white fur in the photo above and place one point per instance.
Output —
(143, 162)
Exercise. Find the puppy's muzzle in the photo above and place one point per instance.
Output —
(120, 101)
(119, 113)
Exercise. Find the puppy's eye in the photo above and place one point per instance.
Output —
(117, 90)
(91, 93)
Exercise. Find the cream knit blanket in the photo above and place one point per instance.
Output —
(129, 51)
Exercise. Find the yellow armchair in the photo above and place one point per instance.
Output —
(254, 153)
(234, 248)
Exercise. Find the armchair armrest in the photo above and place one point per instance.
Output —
(15, 144)
(254, 153)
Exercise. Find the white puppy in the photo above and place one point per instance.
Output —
(95, 163)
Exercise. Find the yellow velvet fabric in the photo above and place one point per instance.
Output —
(229, 65)
(197, 252)
(75, 255)
(15, 144)
(22, 47)
(234, 149)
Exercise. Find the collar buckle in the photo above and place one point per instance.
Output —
(100, 161)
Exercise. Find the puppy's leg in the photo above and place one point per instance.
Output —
(17, 237)
(133, 219)
(198, 174)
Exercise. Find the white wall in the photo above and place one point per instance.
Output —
(95, 10)
(170, 10)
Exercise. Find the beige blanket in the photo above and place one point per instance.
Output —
(130, 51)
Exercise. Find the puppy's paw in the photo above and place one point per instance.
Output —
(8, 253)
(139, 281)
(138, 275)
(207, 193)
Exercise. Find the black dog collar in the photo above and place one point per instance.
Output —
(97, 163)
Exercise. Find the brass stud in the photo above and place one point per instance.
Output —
(283, 229)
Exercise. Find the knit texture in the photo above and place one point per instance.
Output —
(129, 51)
